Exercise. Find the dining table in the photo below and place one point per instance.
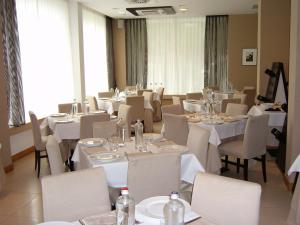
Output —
(117, 166)
(221, 127)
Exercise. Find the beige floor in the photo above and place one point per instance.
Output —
(21, 202)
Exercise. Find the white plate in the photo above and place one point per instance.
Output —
(65, 121)
(93, 142)
(97, 112)
(105, 157)
(104, 98)
(173, 147)
(56, 223)
(151, 209)
(113, 116)
(58, 114)
(213, 122)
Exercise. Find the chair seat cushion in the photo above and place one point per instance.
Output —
(233, 148)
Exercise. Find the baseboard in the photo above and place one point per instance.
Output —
(23, 153)
(9, 168)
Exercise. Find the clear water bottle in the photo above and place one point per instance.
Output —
(139, 139)
(74, 108)
(125, 208)
(86, 107)
(174, 210)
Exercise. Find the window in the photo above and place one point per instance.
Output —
(95, 59)
(45, 54)
(176, 54)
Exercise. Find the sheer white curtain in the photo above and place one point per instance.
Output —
(45, 54)
(176, 54)
(95, 59)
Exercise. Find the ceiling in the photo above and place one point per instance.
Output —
(117, 8)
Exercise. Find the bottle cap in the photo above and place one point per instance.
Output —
(174, 195)
(124, 191)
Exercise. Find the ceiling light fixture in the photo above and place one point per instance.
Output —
(183, 8)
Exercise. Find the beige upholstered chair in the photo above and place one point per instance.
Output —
(153, 175)
(251, 96)
(197, 143)
(160, 92)
(172, 109)
(107, 94)
(251, 147)
(226, 201)
(148, 96)
(69, 196)
(125, 113)
(39, 142)
(234, 109)
(176, 128)
(176, 100)
(137, 103)
(194, 95)
(54, 156)
(67, 107)
(86, 123)
(241, 96)
(104, 129)
(226, 101)
(92, 103)
(140, 92)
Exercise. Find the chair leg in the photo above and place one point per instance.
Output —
(226, 162)
(245, 169)
(38, 163)
(238, 163)
(263, 164)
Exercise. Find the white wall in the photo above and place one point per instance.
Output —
(21, 141)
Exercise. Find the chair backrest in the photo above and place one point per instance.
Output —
(148, 96)
(86, 123)
(176, 128)
(226, 201)
(125, 113)
(92, 103)
(67, 107)
(54, 156)
(69, 196)
(197, 143)
(235, 109)
(255, 137)
(172, 109)
(176, 100)
(104, 129)
(36, 132)
(141, 91)
(230, 100)
(107, 94)
(153, 175)
(251, 95)
(137, 103)
(242, 96)
(160, 92)
(195, 95)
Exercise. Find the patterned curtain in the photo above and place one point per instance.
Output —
(215, 60)
(136, 52)
(110, 54)
(12, 63)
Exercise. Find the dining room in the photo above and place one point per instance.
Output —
(149, 112)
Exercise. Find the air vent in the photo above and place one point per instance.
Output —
(152, 11)
(137, 1)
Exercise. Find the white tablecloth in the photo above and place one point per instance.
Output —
(112, 105)
(223, 95)
(193, 105)
(116, 171)
(223, 131)
(295, 167)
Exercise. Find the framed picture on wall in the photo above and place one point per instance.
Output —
(249, 57)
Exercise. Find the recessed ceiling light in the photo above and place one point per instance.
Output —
(183, 8)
